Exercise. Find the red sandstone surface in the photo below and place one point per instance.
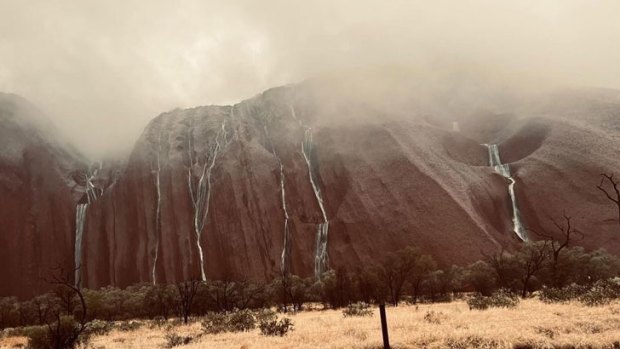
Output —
(388, 179)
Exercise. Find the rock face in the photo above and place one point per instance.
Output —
(287, 182)
(37, 201)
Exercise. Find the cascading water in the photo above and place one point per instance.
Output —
(91, 194)
(157, 171)
(286, 248)
(504, 170)
(321, 257)
(200, 192)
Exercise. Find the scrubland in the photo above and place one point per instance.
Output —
(531, 324)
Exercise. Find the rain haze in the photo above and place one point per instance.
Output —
(101, 70)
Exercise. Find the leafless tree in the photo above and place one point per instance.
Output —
(613, 194)
(187, 292)
(567, 234)
(57, 333)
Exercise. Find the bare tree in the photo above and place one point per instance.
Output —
(59, 337)
(187, 292)
(567, 234)
(614, 195)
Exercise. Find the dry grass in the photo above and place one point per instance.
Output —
(532, 324)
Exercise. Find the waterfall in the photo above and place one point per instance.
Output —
(200, 193)
(80, 215)
(91, 194)
(455, 126)
(286, 248)
(321, 258)
(157, 171)
(504, 170)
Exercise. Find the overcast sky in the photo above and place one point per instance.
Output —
(103, 69)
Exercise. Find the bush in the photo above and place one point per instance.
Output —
(264, 315)
(174, 340)
(433, 317)
(499, 299)
(602, 293)
(215, 323)
(98, 327)
(241, 321)
(128, 326)
(561, 295)
(276, 328)
(63, 334)
(357, 309)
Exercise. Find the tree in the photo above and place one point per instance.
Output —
(422, 268)
(161, 299)
(187, 291)
(394, 271)
(63, 331)
(614, 192)
(480, 276)
(505, 267)
(567, 234)
(530, 259)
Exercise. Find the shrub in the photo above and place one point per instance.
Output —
(98, 327)
(499, 299)
(63, 334)
(241, 321)
(561, 295)
(276, 328)
(265, 315)
(602, 293)
(215, 323)
(357, 309)
(433, 317)
(174, 340)
(128, 326)
(157, 322)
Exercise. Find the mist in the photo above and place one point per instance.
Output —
(101, 70)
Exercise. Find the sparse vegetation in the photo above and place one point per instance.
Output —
(276, 327)
(357, 309)
(500, 299)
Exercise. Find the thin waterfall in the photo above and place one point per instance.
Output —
(80, 215)
(286, 248)
(321, 258)
(157, 171)
(91, 194)
(504, 170)
(200, 192)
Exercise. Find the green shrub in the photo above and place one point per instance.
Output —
(357, 309)
(174, 340)
(215, 323)
(499, 299)
(275, 327)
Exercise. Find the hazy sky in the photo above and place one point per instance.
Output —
(103, 69)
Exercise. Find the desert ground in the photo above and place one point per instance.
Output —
(532, 324)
